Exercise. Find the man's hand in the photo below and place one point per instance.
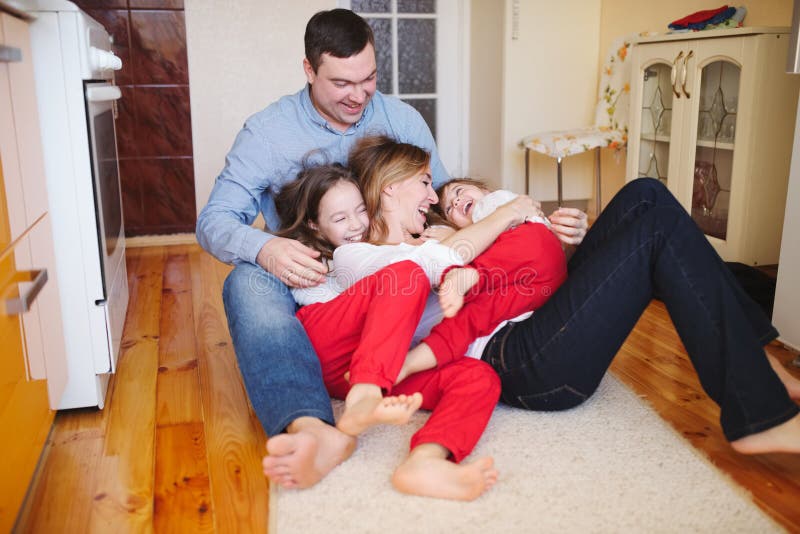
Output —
(570, 225)
(292, 262)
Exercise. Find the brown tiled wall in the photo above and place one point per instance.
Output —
(154, 129)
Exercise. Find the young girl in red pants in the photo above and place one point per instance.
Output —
(365, 328)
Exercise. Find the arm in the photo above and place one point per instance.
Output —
(223, 226)
(472, 240)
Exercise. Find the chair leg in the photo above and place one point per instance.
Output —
(558, 175)
(527, 171)
(598, 202)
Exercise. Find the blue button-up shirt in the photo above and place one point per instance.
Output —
(272, 148)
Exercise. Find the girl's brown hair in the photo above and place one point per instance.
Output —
(380, 161)
(297, 204)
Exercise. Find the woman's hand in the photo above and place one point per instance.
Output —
(570, 225)
(521, 208)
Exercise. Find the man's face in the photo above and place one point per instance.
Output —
(341, 87)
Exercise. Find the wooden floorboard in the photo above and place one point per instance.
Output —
(178, 449)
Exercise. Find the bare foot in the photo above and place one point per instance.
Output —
(366, 407)
(789, 380)
(456, 284)
(430, 475)
(420, 358)
(782, 438)
(302, 458)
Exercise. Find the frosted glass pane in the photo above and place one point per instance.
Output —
(426, 108)
(416, 6)
(416, 43)
(371, 6)
(382, 28)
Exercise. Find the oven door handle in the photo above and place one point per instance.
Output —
(103, 93)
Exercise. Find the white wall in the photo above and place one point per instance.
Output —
(243, 55)
(550, 84)
(486, 91)
(787, 291)
(544, 80)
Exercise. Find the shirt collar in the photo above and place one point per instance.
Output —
(319, 120)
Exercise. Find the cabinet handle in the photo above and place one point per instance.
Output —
(9, 54)
(674, 74)
(21, 304)
(684, 73)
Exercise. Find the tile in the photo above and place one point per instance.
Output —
(101, 4)
(126, 123)
(163, 121)
(156, 4)
(115, 21)
(158, 47)
(168, 196)
(130, 188)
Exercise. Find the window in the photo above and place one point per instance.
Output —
(419, 55)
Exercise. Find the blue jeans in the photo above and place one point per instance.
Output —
(644, 245)
(280, 369)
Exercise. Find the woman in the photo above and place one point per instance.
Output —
(643, 245)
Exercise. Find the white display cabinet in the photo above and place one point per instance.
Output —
(712, 117)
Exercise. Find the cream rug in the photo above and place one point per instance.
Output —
(611, 465)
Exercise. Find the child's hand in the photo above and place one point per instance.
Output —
(437, 232)
(521, 208)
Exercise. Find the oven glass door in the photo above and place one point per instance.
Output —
(100, 108)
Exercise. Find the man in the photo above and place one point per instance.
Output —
(281, 372)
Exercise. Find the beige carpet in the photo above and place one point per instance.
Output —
(611, 465)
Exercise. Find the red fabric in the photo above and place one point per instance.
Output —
(367, 330)
(518, 273)
(700, 16)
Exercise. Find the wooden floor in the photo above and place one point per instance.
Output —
(177, 448)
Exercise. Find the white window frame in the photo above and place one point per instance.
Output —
(452, 77)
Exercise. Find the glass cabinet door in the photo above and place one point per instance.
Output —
(656, 122)
(716, 138)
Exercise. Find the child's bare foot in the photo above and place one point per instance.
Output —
(791, 382)
(420, 358)
(456, 284)
(782, 438)
(303, 457)
(365, 407)
(428, 474)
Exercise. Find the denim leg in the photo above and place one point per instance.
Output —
(556, 359)
(634, 200)
(280, 369)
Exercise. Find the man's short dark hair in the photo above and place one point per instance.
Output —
(338, 32)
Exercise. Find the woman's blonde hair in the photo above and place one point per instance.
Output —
(378, 162)
(298, 202)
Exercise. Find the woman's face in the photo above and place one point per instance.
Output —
(342, 215)
(413, 197)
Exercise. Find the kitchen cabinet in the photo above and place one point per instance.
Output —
(33, 359)
(712, 117)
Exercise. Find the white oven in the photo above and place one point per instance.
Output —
(74, 70)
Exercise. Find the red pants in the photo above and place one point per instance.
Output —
(517, 274)
(367, 330)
